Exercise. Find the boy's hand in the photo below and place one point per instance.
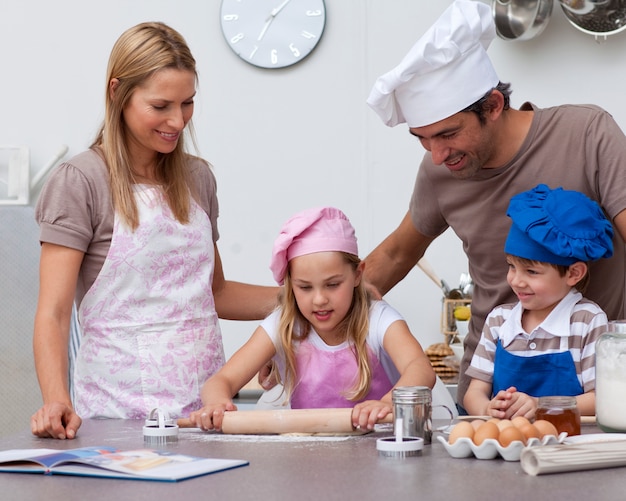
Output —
(499, 406)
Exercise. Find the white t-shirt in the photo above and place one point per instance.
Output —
(382, 315)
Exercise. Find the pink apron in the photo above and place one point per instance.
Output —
(150, 333)
(325, 376)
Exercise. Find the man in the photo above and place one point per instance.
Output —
(481, 152)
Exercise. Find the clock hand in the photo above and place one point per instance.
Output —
(271, 17)
(279, 8)
(265, 27)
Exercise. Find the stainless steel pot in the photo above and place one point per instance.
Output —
(521, 19)
(596, 17)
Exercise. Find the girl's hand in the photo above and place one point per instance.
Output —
(210, 416)
(366, 414)
(267, 379)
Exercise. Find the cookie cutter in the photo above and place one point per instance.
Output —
(159, 428)
(399, 446)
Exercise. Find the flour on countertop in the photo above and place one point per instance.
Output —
(208, 436)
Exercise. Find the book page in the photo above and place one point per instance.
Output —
(146, 464)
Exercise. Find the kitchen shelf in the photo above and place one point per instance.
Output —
(448, 323)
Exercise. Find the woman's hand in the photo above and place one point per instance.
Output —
(55, 420)
(211, 416)
(366, 414)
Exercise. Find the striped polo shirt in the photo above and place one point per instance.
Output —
(574, 325)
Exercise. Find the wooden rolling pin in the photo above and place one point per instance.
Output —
(265, 422)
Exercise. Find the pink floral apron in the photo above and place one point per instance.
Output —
(150, 333)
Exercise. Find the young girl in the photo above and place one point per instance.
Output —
(331, 344)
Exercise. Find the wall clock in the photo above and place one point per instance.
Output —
(272, 33)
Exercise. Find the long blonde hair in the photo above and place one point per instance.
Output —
(139, 53)
(293, 327)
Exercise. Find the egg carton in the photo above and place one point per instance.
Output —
(491, 448)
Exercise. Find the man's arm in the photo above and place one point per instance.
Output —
(390, 262)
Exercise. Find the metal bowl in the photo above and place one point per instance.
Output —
(596, 17)
(520, 19)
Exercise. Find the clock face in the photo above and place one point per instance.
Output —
(272, 33)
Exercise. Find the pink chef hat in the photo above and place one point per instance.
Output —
(313, 230)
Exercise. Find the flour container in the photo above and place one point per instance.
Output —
(413, 405)
(611, 378)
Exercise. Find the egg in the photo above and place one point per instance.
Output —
(545, 428)
(529, 431)
(509, 435)
(487, 430)
(463, 429)
(503, 423)
(476, 423)
(519, 421)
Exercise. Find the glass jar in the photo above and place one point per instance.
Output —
(611, 378)
(561, 412)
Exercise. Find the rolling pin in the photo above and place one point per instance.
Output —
(265, 422)
(425, 266)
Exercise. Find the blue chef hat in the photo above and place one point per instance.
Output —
(558, 226)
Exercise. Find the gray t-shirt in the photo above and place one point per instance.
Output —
(75, 210)
(575, 147)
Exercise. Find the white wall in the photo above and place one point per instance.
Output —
(289, 139)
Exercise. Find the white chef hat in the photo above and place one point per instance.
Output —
(446, 71)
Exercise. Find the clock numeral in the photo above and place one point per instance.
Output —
(312, 13)
(231, 17)
(294, 50)
(274, 56)
(308, 35)
(254, 51)
(237, 38)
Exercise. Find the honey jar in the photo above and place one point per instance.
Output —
(561, 412)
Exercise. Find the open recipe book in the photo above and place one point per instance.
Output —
(108, 462)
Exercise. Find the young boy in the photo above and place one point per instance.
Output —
(545, 343)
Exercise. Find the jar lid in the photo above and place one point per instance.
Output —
(617, 326)
(411, 395)
(559, 402)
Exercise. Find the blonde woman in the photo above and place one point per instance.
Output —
(129, 232)
(332, 346)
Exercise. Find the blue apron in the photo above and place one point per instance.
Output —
(539, 376)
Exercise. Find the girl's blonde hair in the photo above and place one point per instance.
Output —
(138, 54)
(293, 327)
